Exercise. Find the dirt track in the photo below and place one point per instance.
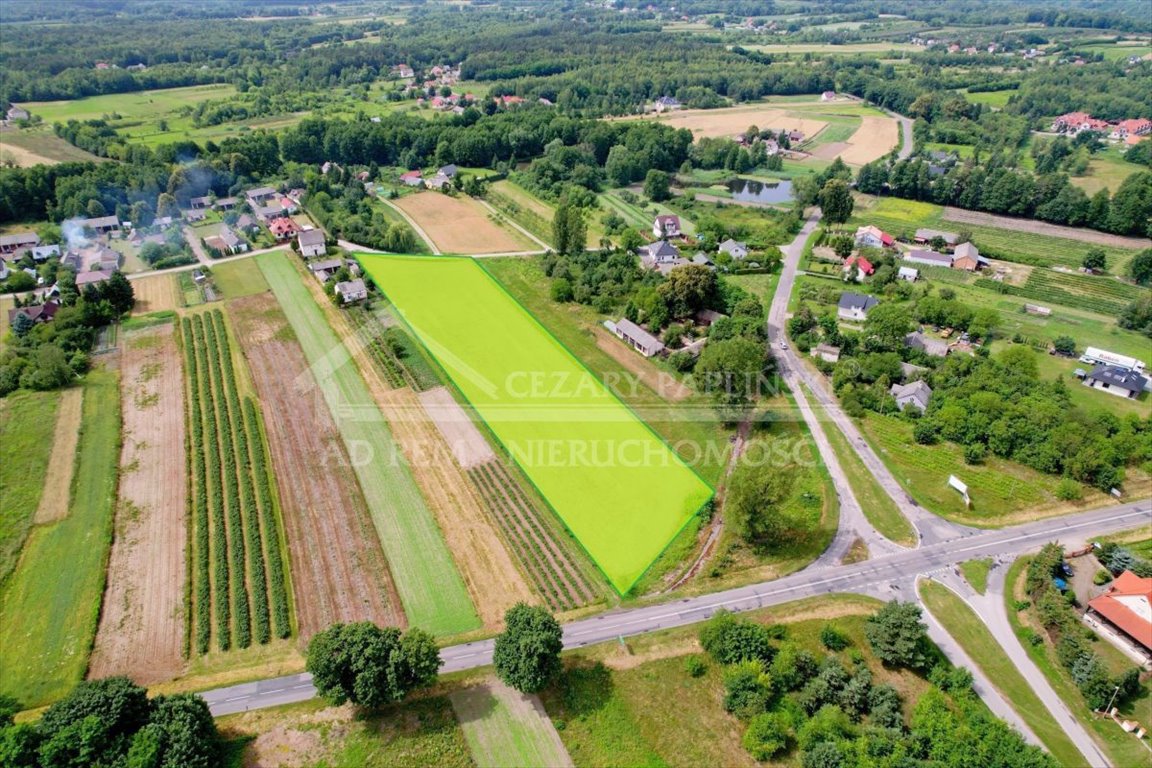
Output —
(962, 216)
(468, 446)
(141, 632)
(338, 570)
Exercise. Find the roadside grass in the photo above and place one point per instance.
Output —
(430, 586)
(504, 729)
(27, 425)
(1002, 492)
(690, 426)
(878, 506)
(976, 573)
(239, 278)
(965, 626)
(1123, 749)
(51, 603)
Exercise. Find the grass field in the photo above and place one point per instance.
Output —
(1120, 747)
(507, 729)
(27, 424)
(997, 99)
(964, 625)
(430, 587)
(1106, 170)
(617, 487)
(139, 105)
(239, 278)
(35, 146)
(50, 604)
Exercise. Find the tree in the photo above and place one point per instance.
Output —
(1140, 268)
(371, 666)
(836, 201)
(886, 326)
(688, 289)
(166, 205)
(21, 324)
(731, 371)
(117, 291)
(730, 639)
(897, 636)
(747, 689)
(96, 209)
(1064, 345)
(1095, 259)
(181, 734)
(657, 185)
(94, 724)
(767, 735)
(527, 652)
(754, 507)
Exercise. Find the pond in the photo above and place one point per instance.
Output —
(771, 192)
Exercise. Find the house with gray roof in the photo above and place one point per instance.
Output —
(636, 337)
(351, 290)
(926, 344)
(915, 395)
(659, 252)
(928, 258)
(737, 250)
(1115, 380)
(855, 306)
(20, 241)
(312, 243)
(925, 236)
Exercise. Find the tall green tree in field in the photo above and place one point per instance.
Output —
(527, 653)
(836, 201)
(897, 635)
(754, 507)
(371, 666)
(1140, 268)
(1095, 259)
(657, 185)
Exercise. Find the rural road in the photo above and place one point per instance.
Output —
(908, 145)
(869, 577)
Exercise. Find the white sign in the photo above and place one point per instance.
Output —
(959, 485)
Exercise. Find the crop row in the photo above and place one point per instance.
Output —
(383, 355)
(556, 577)
(232, 510)
(1104, 295)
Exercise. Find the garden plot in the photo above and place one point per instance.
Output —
(622, 492)
(156, 293)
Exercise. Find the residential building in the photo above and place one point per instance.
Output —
(325, 268)
(855, 306)
(637, 338)
(1127, 606)
(862, 266)
(20, 241)
(826, 352)
(659, 252)
(40, 313)
(17, 113)
(92, 277)
(701, 259)
(908, 274)
(233, 242)
(873, 237)
(1133, 127)
(259, 195)
(666, 226)
(283, 228)
(737, 250)
(351, 290)
(311, 242)
(1115, 380)
(929, 345)
(267, 213)
(217, 244)
(448, 171)
(666, 104)
(194, 215)
(915, 395)
(929, 258)
(926, 236)
(412, 178)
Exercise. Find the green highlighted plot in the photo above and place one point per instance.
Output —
(614, 483)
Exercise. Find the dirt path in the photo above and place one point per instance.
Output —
(58, 479)
(487, 568)
(962, 216)
(468, 446)
(141, 632)
(662, 383)
(338, 570)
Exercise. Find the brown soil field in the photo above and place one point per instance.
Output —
(338, 570)
(830, 151)
(468, 446)
(1043, 228)
(660, 382)
(141, 632)
(58, 481)
(710, 123)
(156, 293)
(461, 225)
(875, 138)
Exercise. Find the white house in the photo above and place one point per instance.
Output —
(855, 306)
(917, 394)
(351, 290)
(666, 226)
(636, 337)
(873, 237)
(737, 250)
(908, 273)
(311, 243)
(1115, 380)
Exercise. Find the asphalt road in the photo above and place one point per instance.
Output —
(881, 575)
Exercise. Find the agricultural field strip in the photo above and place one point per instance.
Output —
(506, 728)
(491, 356)
(236, 546)
(431, 589)
(27, 424)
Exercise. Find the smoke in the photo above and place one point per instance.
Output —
(73, 232)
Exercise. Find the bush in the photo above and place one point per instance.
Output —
(974, 453)
(695, 666)
(747, 689)
(1102, 577)
(767, 735)
(832, 638)
(1069, 490)
(729, 639)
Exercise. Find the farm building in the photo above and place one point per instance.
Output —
(873, 237)
(259, 195)
(926, 344)
(828, 96)
(967, 257)
(448, 171)
(40, 313)
(827, 353)
(200, 202)
(323, 269)
(855, 306)
(92, 277)
(351, 290)
(311, 243)
(1127, 606)
(737, 250)
(928, 258)
(925, 236)
(18, 242)
(917, 394)
(412, 178)
(17, 113)
(666, 104)
(666, 226)
(1115, 380)
(102, 224)
(637, 338)
(192, 216)
(908, 274)
(225, 204)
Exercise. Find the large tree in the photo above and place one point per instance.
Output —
(527, 653)
(836, 201)
(657, 185)
(371, 666)
(897, 635)
(731, 371)
(688, 289)
(754, 506)
(886, 326)
(1140, 268)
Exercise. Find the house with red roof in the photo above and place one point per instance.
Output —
(863, 267)
(1127, 606)
(873, 237)
(666, 226)
(412, 178)
(1133, 127)
(1076, 122)
(283, 228)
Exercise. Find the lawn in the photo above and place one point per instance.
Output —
(27, 424)
(507, 729)
(620, 490)
(1122, 748)
(878, 506)
(50, 605)
(1106, 170)
(976, 572)
(239, 278)
(430, 586)
(997, 99)
(963, 624)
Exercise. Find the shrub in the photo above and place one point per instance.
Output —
(767, 735)
(729, 639)
(1069, 490)
(1102, 577)
(792, 667)
(695, 666)
(832, 638)
(747, 689)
